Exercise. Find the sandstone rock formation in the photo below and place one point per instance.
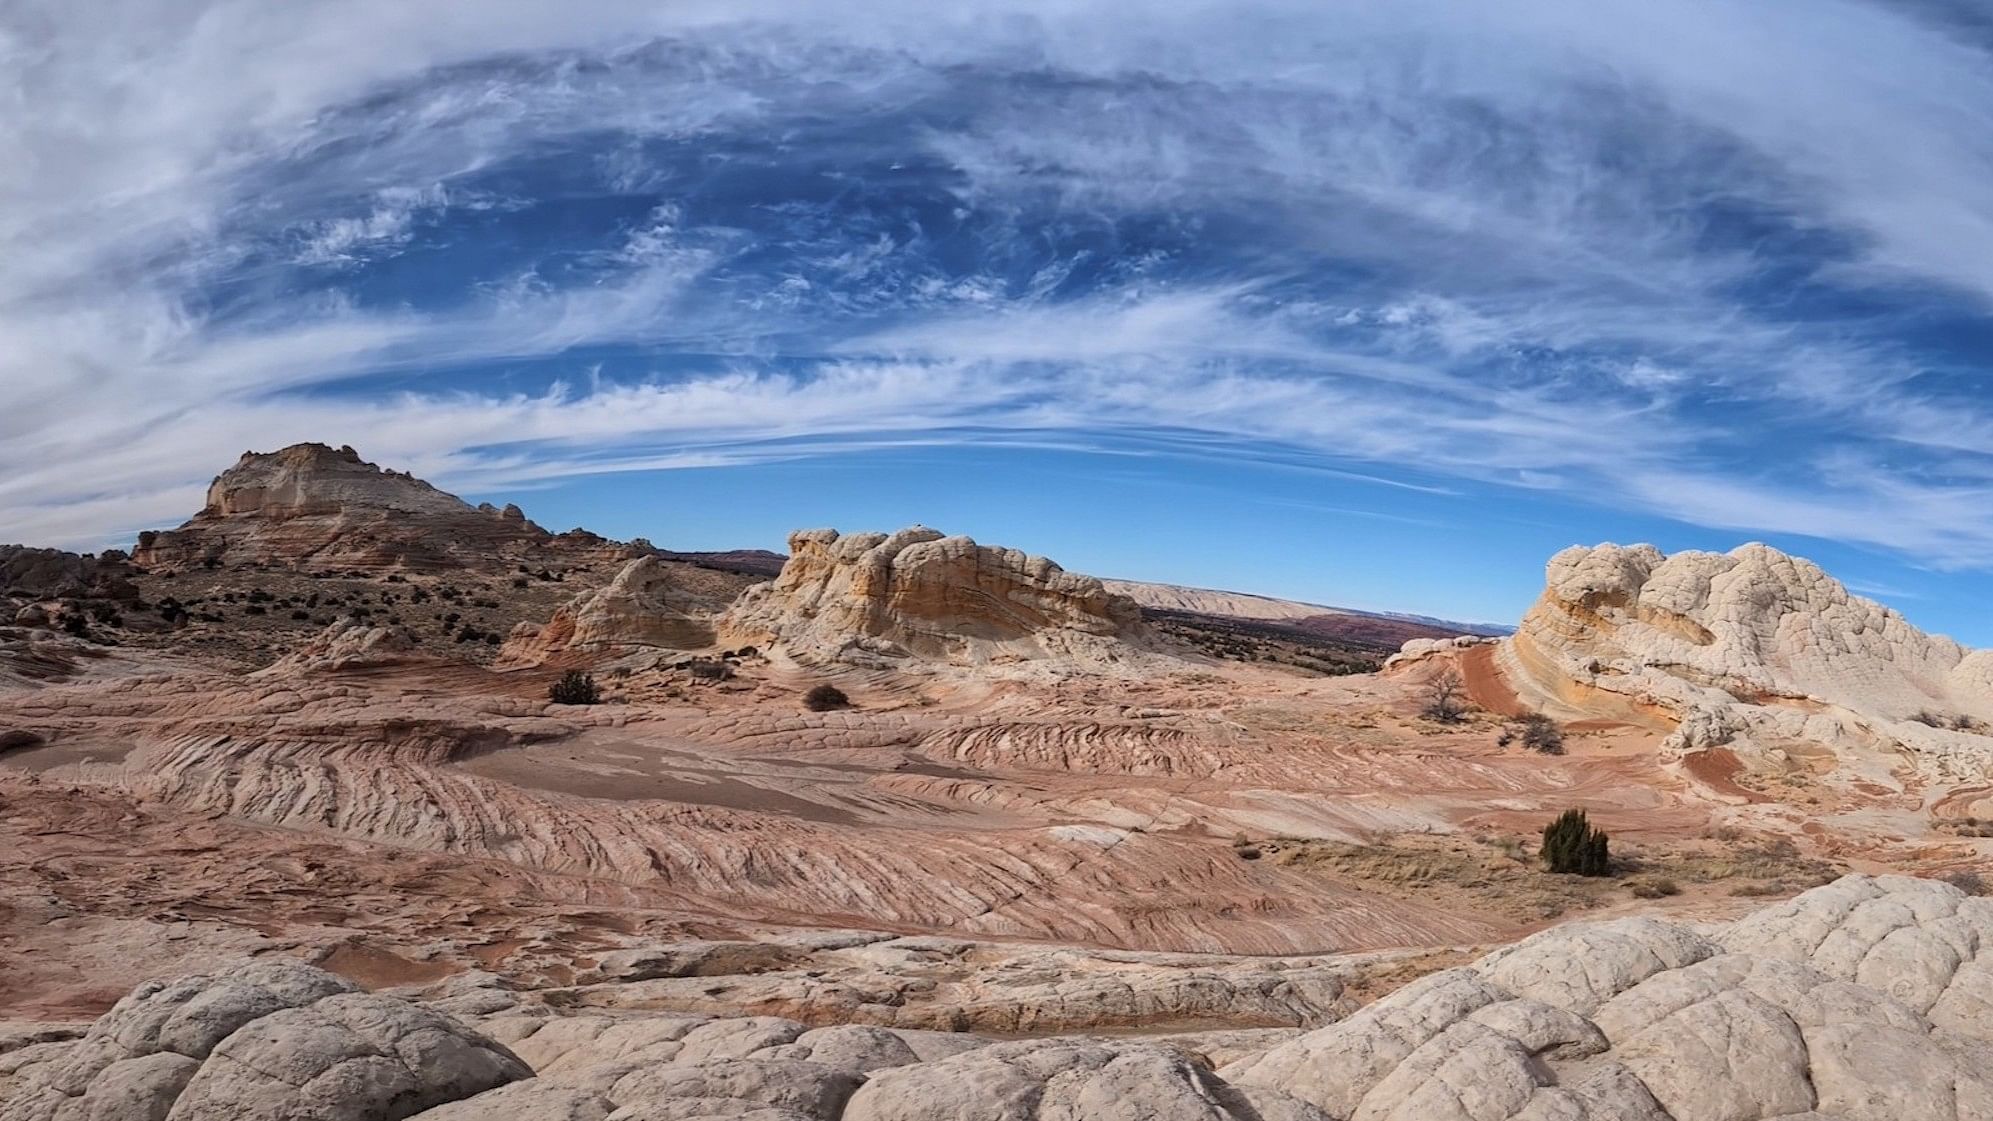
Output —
(269, 1039)
(645, 607)
(317, 507)
(1752, 650)
(345, 643)
(1867, 998)
(40, 574)
(873, 598)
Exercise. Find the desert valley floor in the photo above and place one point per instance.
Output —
(1044, 846)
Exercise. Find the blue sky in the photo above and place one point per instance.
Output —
(1367, 304)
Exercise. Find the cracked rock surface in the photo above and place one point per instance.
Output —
(1870, 997)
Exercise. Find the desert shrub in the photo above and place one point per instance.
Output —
(1928, 718)
(708, 669)
(1659, 887)
(1445, 698)
(1539, 735)
(574, 688)
(1962, 723)
(300, 615)
(823, 698)
(1967, 881)
(1571, 845)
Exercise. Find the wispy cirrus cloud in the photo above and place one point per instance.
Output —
(1724, 262)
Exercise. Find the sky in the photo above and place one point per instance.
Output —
(1376, 305)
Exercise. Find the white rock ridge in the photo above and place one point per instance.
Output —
(1750, 648)
(869, 598)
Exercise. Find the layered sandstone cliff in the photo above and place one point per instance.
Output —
(871, 597)
(314, 506)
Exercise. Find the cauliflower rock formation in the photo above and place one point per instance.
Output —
(871, 598)
(1871, 997)
(645, 606)
(314, 506)
(269, 1040)
(1865, 998)
(1751, 649)
(346, 643)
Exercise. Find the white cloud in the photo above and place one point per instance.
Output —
(1513, 188)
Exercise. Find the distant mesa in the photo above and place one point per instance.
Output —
(1751, 650)
(314, 506)
(871, 598)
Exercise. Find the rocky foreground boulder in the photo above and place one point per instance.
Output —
(871, 598)
(1871, 997)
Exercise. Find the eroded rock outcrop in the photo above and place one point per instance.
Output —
(313, 506)
(871, 598)
(1753, 649)
(646, 606)
(346, 643)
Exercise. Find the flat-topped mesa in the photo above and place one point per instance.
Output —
(313, 506)
(1750, 644)
(867, 598)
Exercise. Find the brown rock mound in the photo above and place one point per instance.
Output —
(312, 506)
(871, 598)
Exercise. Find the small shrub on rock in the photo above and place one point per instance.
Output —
(574, 688)
(1572, 846)
(823, 698)
(1540, 734)
(709, 669)
(1967, 881)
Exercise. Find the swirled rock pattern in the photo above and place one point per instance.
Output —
(874, 598)
(1868, 998)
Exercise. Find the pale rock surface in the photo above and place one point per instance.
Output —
(1210, 601)
(1867, 998)
(345, 643)
(1419, 648)
(644, 607)
(1793, 1012)
(879, 599)
(267, 1040)
(1752, 649)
